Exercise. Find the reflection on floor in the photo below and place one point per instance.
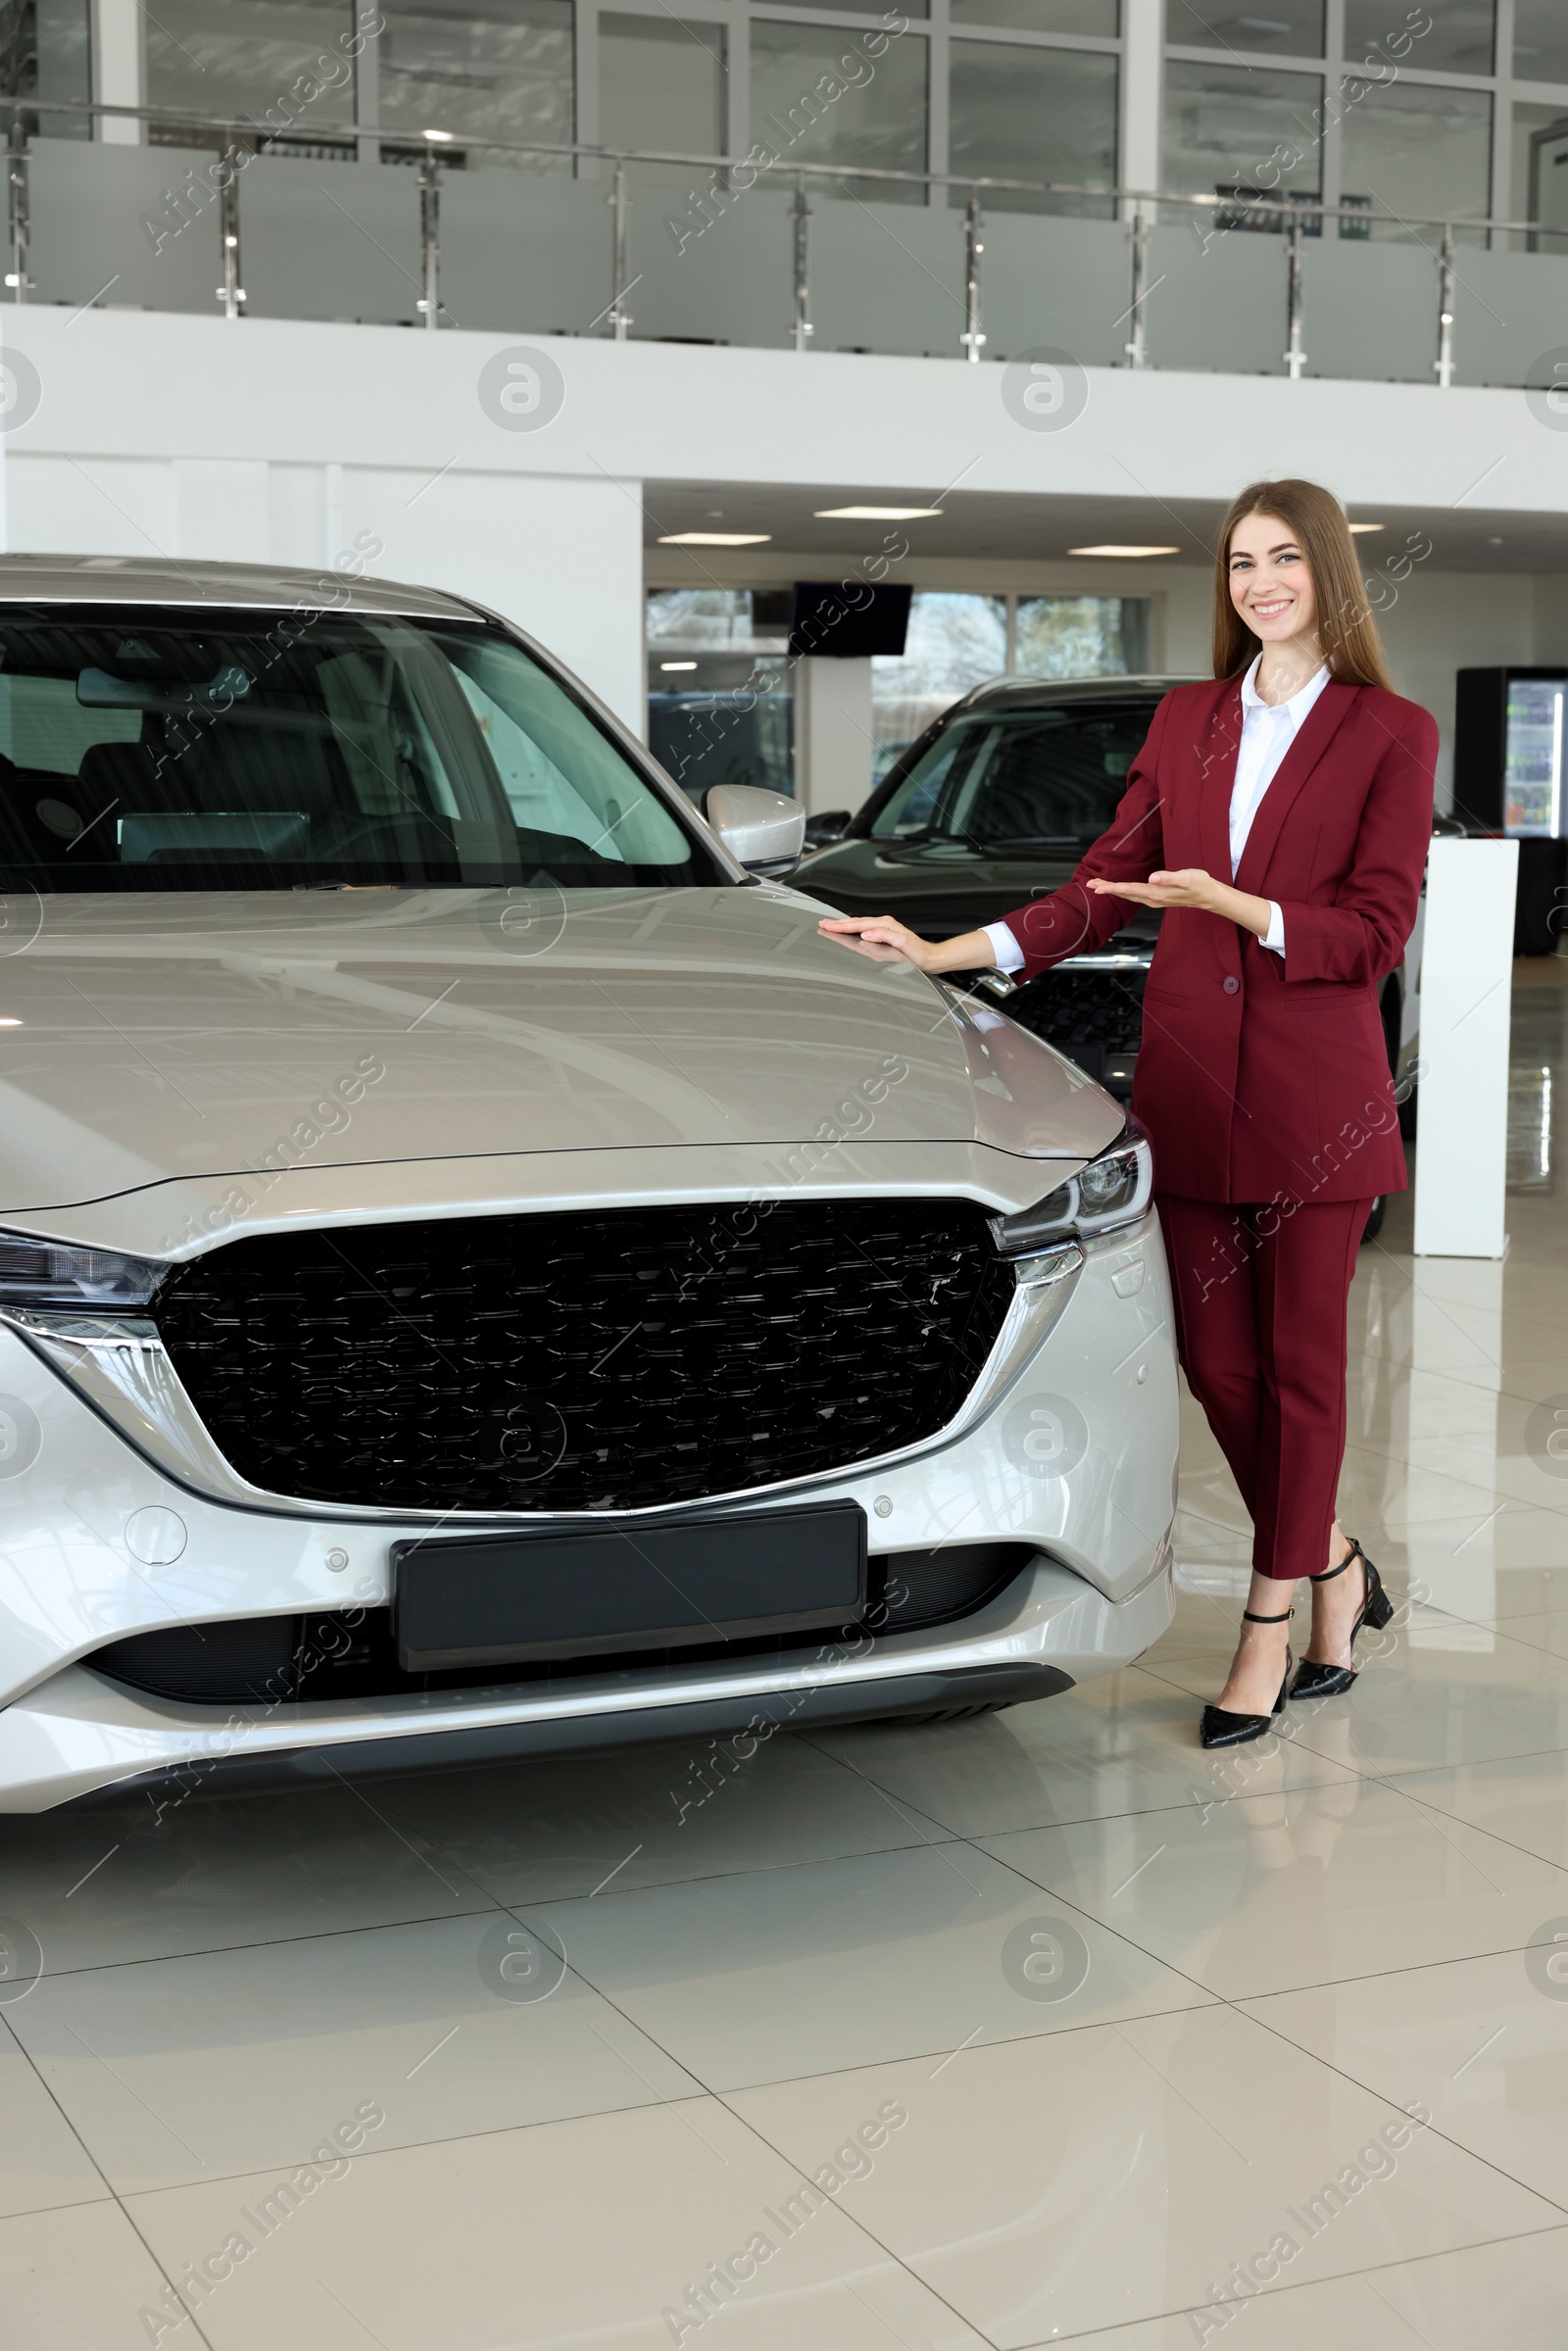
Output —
(1040, 2028)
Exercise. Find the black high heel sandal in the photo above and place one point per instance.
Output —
(1315, 1679)
(1221, 1728)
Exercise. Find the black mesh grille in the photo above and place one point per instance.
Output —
(1075, 1008)
(620, 1361)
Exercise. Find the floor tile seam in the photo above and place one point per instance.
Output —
(1553, 2203)
(917, 1810)
(404, 1837)
(700, 2097)
(1495, 1834)
(1050, 1893)
(869, 2234)
(1382, 1772)
(49, 2091)
(1207, 2002)
(1473, 1377)
(1410, 1967)
(1298, 2285)
(189, 2318)
(1386, 1780)
(807, 1739)
(720, 1877)
(31, 2212)
(1390, 1459)
(111, 2193)
(282, 1942)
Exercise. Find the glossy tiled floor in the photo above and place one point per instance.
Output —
(1035, 2029)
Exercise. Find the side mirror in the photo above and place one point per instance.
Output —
(764, 830)
(823, 830)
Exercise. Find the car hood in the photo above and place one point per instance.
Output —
(160, 1038)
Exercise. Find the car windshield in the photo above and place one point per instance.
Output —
(164, 748)
(1028, 779)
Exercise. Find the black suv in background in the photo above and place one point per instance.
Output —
(993, 805)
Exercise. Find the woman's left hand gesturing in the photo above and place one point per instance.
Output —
(1191, 886)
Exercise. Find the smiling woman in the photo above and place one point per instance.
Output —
(1280, 818)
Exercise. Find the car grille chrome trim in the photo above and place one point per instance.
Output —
(122, 1369)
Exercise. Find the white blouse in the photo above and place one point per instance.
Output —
(1268, 729)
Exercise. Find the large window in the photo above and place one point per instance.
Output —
(502, 73)
(1099, 17)
(1033, 114)
(288, 65)
(1539, 183)
(720, 694)
(1450, 36)
(1541, 40)
(662, 85)
(1411, 148)
(44, 53)
(721, 683)
(956, 641)
(1284, 28)
(1240, 131)
(809, 106)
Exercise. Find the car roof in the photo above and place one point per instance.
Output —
(1050, 693)
(265, 587)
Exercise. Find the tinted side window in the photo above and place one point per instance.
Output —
(1053, 775)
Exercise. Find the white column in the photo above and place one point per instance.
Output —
(119, 68)
(833, 738)
(1466, 978)
(1142, 84)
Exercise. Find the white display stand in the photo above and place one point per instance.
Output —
(1466, 987)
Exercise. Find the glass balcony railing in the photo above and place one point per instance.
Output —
(438, 232)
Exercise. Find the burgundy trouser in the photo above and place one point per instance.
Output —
(1260, 1325)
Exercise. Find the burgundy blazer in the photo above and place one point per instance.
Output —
(1260, 1076)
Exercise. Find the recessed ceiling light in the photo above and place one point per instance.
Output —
(436, 135)
(677, 664)
(876, 513)
(715, 538)
(10, 1024)
(1358, 528)
(1124, 551)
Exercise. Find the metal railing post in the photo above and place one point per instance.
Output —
(17, 171)
(1443, 362)
(1295, 356)
(620, 208)
(232, 294)
(1137, 344)
(431, 238)
(803, 266)
(973, 247)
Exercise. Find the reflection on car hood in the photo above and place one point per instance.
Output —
(159, 1038)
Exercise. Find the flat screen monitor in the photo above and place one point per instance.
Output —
(847, 622)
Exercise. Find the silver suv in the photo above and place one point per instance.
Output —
(478, 1272)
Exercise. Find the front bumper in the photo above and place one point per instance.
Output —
(98, 1540)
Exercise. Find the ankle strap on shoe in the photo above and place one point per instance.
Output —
(1247, 1618)
(1326, 1575)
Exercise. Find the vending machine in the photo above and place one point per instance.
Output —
(1508, 779)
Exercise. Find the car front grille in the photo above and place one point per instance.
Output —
(623, 1360)
(317, 1659)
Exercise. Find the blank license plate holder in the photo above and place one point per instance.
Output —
(554, 1593)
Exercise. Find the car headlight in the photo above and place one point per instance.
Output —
(1113, 1189)
(54, 1274)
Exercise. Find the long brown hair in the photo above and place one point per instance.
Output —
(1345, 628)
